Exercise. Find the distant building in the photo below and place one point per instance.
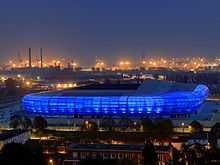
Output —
(14, 136)
(215, 135)
(132, 152)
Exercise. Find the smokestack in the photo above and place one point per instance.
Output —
(30, 58)
(41, 57)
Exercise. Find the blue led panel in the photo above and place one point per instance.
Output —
(166, 103)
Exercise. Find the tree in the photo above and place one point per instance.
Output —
(194, 154)
(163, 128)
(26, 123)
(10, 85)
(15, 153)
(124, 123)
(40, 123)
(176, 157)
(191, 157)
(184, 152)
(200, 153)
(214, 135)
(213, 154)
(148, 125)
(196, 127)
(15, 121)
(150, 156)
(108, 124)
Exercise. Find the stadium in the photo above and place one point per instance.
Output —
(150, 98)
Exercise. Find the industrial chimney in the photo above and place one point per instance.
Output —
(41, 57)
(29, 53)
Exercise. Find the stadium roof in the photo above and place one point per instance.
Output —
(148, 87)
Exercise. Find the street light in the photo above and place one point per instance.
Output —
(127, 62)
(3, 79)
(51, 161)
(74, 64)
(190, 128)
(121, 63)
(28, 83)
(70, 85)
(183, 124)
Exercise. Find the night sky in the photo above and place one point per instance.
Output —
(112, 29)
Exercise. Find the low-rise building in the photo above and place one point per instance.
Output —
(134, 152)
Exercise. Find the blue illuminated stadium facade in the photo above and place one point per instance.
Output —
(148, 98)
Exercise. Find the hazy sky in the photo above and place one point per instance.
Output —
(83, 29)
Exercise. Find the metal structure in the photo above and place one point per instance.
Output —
(30, 57)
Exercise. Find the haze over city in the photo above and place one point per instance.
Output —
(110, 29)
(109, 82)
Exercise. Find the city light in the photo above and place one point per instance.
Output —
(190, 128)
(143, 62)
(51, 162)
(188, 63)
(127, 63)
(124, 65)
(74, 64)
(28, 83)
(121, 63)
(175, 63)
(59, 86)
(66, 85)
(99, 64)
(3, 79)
